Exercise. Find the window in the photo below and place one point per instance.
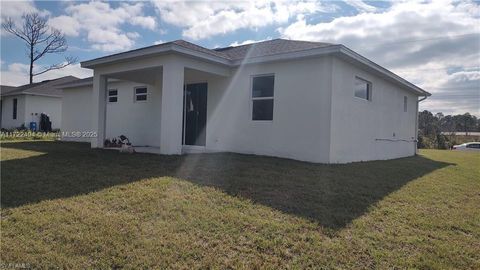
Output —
(15, 101)
(473, 145)
(112, 95)
(405, 102)
(363, 89)
(141, 93)
(262, 97)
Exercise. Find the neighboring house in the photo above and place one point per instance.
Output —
(309, 101)
(24, 104)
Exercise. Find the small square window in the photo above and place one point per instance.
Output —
(112, 95)
(140, 94)
(262, 97)
(363, 89)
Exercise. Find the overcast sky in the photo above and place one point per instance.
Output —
(434, 44)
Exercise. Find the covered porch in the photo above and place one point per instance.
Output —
(160, 103)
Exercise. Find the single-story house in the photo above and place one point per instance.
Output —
(309, 101)
(24, 104)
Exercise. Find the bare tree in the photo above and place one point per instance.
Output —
(40, 39)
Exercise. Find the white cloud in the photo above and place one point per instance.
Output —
(16, 9)
(159, 42)
(17, 74)
(361, 5)
(70, 26)
(102, 23)
(206, 19)
(420, 41)
(146, 22)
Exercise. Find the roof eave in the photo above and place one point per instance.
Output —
(288, 56)
(169, 48)
(332, 49)
(364, 61)
(30, 94)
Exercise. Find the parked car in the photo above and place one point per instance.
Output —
(471, 146)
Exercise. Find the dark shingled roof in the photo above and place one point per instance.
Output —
(6, 88)
(264, 48)
(269, 47)
(48, 87)
(197, 48)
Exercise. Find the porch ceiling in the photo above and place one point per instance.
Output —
(146, 76)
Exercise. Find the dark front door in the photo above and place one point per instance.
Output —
(195, 114)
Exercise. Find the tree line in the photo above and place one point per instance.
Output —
(436, 130)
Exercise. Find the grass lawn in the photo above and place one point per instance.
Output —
(67, 206)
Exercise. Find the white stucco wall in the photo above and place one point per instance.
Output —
(316, 116)
(29, 108)
(357, 123)
(301, 111)
(7, 112)
(138, 120)
(35, 105)
(77, 113)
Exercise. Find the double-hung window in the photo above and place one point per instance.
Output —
(262, 97)
(141, 93)
(363, 89)
(112, 95)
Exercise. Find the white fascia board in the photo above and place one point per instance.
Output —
(149, 51)
(126, 55)
(201, 55)
(288, 56)
(31, 94)
(82, 84)
(333, 49)
(382, 71)
(42, 95)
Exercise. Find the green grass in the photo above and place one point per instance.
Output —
(67, 206)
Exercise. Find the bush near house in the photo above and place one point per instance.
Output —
(65, 205)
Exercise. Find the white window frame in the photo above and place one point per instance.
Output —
(141, 94)
(252, 99)
(109, 96)
(369, 90)
(405, 104)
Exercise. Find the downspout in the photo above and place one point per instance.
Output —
(416, 124)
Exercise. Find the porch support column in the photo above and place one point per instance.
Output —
(172, 109)
(99, 109)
